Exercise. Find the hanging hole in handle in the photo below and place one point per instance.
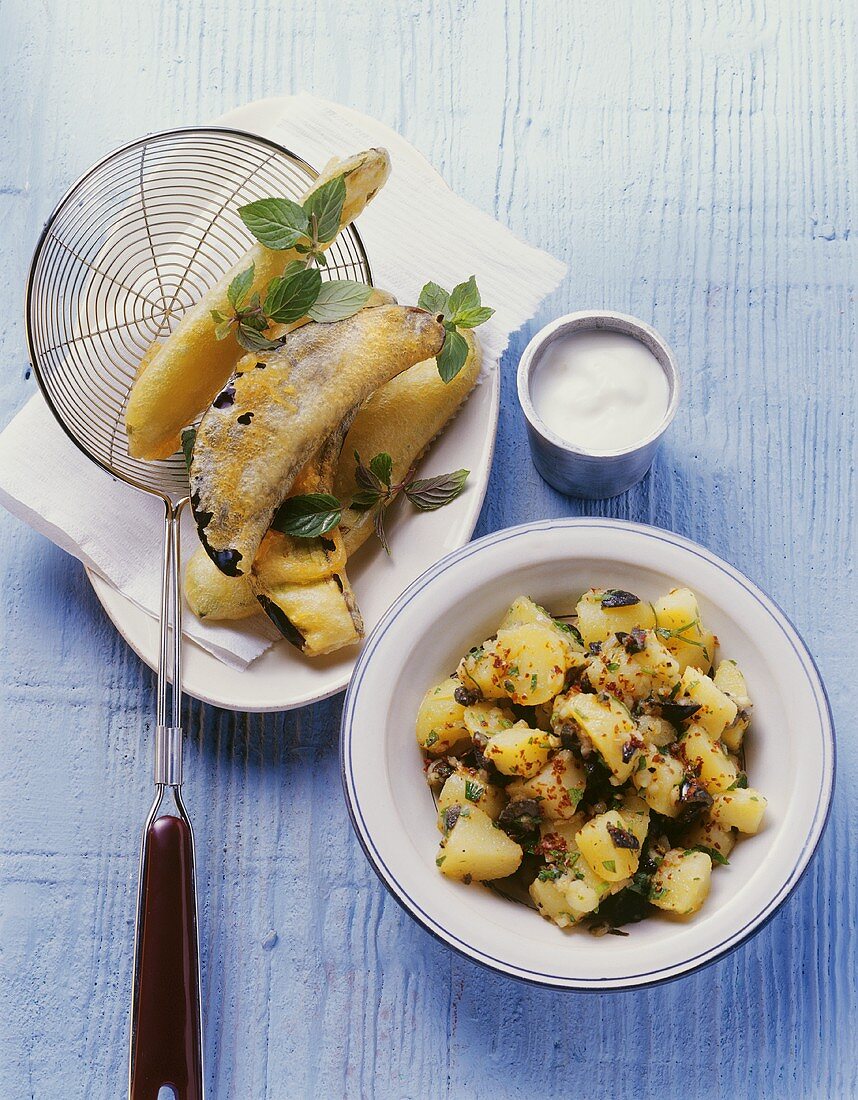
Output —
(167, 1092)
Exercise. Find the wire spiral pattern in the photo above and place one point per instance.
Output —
(134, 244)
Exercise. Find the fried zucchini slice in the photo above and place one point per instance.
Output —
(266, 424)
(402, 418)
(183, 377)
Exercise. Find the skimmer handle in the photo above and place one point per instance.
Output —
(167, 1043)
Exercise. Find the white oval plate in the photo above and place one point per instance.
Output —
(456, 604)
(281, 679)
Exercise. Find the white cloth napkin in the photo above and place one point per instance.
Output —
(416, 230)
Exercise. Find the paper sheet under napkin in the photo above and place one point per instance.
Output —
(416, 230)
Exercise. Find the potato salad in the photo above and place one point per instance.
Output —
(593, 761)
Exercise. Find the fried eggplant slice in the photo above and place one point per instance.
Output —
(266, 423)
(401, 418)
(183, 376)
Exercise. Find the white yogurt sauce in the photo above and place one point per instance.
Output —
(600, 390)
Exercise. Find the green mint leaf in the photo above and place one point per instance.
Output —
(276, 223)
(240, 287)
(338, 299)
(326, 205)
(471, 318)
(252, 340)
(320, 258)
(290, 296)
(463, 298)
(308, 516)
(382, 466)
(433, 298)
(367, 478)
(223, 330)
(453, 354)
(217, 316)
(362, 502)
(429, 493)
(473, 790)
(189, 437)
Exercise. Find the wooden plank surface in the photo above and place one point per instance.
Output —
(694, 163)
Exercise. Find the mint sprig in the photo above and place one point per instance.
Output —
(461, 308)
(376, 487)
(298, 292)
(282, 224)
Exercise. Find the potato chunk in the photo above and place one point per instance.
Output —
(530, 662)
(440, 719)
(605, 842)
(658, 780)
(604, 723)
(477, 671)
(741, 809)
(476, 849)
(559, 786)
(635, 813)
(520, 750)
(708, 759)
(730, 680)
(487, 717)
(681, 883)
(469, 787)
(596, 622)
(711, 835)
(678, 614)
(633, 675)
(717, 710)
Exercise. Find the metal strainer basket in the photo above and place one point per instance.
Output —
(134, 243)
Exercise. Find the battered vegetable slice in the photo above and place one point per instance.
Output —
(264, 426)
(185, 373)
(401, 419)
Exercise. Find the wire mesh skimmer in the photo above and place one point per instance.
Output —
(132, 245)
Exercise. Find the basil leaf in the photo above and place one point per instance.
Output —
(308, 516)
(189, 437)
(382, 466)
(433, 298)
(238, 289)
(276, 223)
(290, 296)
(253, 340)
(453, 354)
(326, 203)
(429, 493)
(463, 298)
(338, 299)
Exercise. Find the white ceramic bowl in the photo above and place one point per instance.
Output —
(458, 602)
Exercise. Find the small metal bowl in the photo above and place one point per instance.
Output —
(573, 470)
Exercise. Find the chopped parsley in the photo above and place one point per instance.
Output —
(473, 790)
(610, 865)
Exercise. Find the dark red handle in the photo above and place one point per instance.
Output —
(167, 1047)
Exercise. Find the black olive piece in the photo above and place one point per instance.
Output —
(568, 732)
(679, 711)
(616, 597)
(693, 799)
(595, 648)
(622, 838)
(627, 906)
(630, 748)
(245, 418)
(634, 641)
(465, 697)
(438, 772)
(451, 816)
(520, 819)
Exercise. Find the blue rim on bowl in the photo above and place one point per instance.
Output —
(432, 923)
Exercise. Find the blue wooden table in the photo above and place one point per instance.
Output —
(694, 163)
